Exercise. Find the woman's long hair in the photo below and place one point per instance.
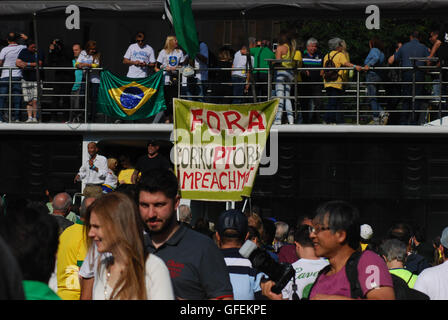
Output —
(170, 44)
(91, 44)
(122, 223)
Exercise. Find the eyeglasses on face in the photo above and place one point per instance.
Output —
(317, 229)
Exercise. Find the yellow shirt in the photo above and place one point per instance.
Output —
(124, 176)
(296, 61)
(71, 253)
(339, 59)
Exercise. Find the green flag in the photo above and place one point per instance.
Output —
(131, 98)
(184, 26)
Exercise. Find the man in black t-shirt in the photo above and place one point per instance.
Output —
(152, 160)
(27, 61)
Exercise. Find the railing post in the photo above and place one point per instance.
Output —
(10, 95)
(86, 96)
(357, 96)
(440, 95)
(413, 90)
(270, 80)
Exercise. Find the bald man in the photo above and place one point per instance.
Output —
(62, 205)
(94, 170)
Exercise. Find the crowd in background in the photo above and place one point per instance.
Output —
(228, 76)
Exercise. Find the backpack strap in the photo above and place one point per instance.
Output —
(351, 271)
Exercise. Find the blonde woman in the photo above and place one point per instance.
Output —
(284, 78)
(111, 181)
(170, 59)
(114, 226)
(87, 59)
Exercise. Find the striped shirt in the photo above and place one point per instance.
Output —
(312, 61)
(244, 278)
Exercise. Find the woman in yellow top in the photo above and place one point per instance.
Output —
(285, 78)
(125, 174)
(334, 89)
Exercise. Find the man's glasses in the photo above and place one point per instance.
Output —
(317, 229)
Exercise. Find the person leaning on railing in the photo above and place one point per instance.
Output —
(8, 57)
(375, 58)
(90, 58)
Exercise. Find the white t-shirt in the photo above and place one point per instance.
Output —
(201, 75)
(9, 56)
(135, 53)
(306, 273)
(157, 281)
(172, 59)
(85, 58)
(434, 282)
(111, 179)
(239, 61)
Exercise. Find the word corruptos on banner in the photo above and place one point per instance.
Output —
(218, 148)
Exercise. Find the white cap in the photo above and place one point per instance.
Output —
(366, 232)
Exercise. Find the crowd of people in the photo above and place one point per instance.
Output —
(230, 77)
(135, 240)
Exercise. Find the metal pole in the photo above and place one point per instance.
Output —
(270, 72)
(440, 95)
(86, 95)
(295, 93)
(413, 90)
(10, 97)
(357, 97)
(36, 54)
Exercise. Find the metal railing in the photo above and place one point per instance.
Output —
(354, 102)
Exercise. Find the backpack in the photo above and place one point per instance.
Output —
(401, 288)
(331, 75)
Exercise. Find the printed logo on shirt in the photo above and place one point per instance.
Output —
(175, 268)
(172, 61)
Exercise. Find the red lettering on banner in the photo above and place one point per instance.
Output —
(187, 176)
(215, 181)
(223, 187)
(195, 113)
(218, 127)
(229, 123)
(197, 177)
(258, 123)
(205, 180)
(229, 152)
(216, 157)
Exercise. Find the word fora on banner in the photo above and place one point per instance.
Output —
(218, 148)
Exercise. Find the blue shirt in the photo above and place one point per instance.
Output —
(78, 77)
(375, 57)
(412, 49)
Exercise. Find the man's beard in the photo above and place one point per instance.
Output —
(165, 225)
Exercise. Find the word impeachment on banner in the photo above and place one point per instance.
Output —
(129, 98)
(218, 147)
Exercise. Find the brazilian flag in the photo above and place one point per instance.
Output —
(131, 98)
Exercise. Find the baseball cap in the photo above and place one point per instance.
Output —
(366, 232)
(152, 142)
(232, 220)
(444, 238)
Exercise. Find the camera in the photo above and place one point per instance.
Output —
(280, 273)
